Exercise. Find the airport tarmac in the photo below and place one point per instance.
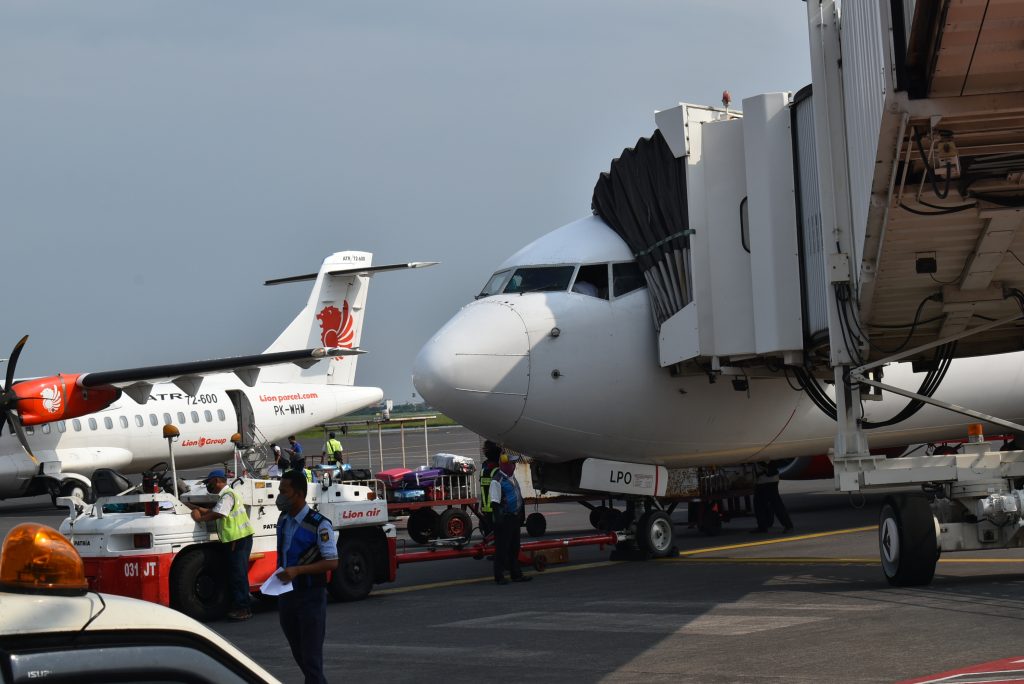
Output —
(811, 606)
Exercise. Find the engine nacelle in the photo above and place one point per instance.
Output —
(58, 397)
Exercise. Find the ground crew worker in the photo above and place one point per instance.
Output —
(507, 502)
(306, 550)
(234, 531)
(298, 461)
(768, 505)
(332, 450)
(492, 452)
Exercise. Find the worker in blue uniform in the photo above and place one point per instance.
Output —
(306, 550)
(507, 504)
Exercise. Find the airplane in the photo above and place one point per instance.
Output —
(66, 426)
(561, 357)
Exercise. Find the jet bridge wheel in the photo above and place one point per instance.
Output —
(654, 533)
(908, 541)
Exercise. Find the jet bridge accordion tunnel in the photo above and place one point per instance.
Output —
(719, 209)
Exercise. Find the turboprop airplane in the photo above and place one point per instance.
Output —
(64, 427)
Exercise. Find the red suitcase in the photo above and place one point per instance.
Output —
(393, 478)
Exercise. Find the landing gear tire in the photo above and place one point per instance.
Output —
(353, 578)
(908, 541)
(198, 584)
(654, 534)
(76, 488)
(536, 524)
(454, 523)
(421, 525)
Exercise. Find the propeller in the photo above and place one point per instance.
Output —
(9, 400)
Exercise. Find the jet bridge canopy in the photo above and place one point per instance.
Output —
(938, 203)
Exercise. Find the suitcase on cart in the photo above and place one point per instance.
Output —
(408, 495)
(422, 477)
(453, 464)
(393, 478)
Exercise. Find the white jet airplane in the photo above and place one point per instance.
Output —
(64, 427)
(557, 359)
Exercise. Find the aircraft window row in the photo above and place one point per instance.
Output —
(590, 279)
(108, 422)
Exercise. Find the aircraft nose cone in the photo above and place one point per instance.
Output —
(476, 369)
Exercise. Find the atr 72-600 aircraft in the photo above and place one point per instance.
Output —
(74, 424)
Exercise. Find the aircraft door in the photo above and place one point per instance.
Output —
(245, 415)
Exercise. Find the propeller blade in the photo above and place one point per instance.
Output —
(13, 362)
(13, 419)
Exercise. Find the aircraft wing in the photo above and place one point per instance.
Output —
(136, 382)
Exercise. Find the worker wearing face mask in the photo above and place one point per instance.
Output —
(234, 531)
(306, 551)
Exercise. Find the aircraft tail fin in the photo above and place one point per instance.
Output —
(332, 317)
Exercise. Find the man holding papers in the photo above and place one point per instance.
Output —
(306, 550)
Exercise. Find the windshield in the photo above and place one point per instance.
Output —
(495, 284)
(540, 279)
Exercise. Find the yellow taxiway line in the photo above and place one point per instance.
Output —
(781, 540)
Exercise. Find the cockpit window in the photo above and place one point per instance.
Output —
(495, 284)
(626, 278)
(540, 279)
(592, 280)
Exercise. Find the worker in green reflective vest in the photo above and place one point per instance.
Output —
(234, 531)
(333, 451)
(491, 453)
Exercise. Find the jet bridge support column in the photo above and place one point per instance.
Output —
(838, 237)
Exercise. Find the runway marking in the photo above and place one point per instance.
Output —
(645, 623)
(825, 560)
(782, 540)
(738, 605)
(490, 578)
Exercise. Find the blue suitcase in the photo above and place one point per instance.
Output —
(408, 495)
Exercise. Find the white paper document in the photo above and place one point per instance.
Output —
(275, 587)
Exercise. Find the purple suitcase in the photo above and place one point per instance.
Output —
(422, 477)
(393, 478)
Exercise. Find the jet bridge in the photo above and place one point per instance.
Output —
(874, 217)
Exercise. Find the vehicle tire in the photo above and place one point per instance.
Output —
(654, 534)
(536, 524)
(908, 541)
(595, 516)
(421, 525)
(454, 523)
(72, 487)
(199, 584)
(353, 579)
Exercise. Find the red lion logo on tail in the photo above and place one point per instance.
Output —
(336, 327)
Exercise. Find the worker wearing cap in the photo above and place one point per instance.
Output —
(507, 503)
(235, 532)
(492, 452)
(332, 450)
(306, 551)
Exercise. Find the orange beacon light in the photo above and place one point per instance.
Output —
(37, 559)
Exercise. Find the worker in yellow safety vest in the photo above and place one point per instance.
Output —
(332, 450)
(234, 531)
(492, 453)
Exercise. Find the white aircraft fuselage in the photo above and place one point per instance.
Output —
(128, 436)
(562, 375)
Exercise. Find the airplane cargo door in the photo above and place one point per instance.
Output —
(246, 416)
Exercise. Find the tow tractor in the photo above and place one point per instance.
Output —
(144, 544)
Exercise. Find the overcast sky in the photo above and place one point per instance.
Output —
(159, 160)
